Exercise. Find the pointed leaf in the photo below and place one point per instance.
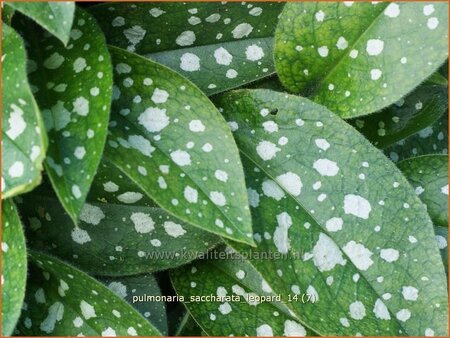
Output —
(343, 215)
(63, 301)
(55, 17)
(217, 46)
(73, 88)
(133, 289)
(24, 141)
(421, 108)
(357, 58)
(14, 267)
(429, 177)
(169, 138)
(118, 225)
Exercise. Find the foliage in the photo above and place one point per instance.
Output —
(155, 154)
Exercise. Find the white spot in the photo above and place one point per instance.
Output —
(217, 198)
(341, 43)
(16, 122)
(240, 274)
(134, 34)
(264, 331)
(225, 308)
(359, 255)
(173, 229)
(267, 150)
(410, 293)
(375, 74)
(271, 189)
(326, 167)
(242, 30)
(143, 223)
(270, 126)
(280, 236)
(213, 18)
(323, 51)
(16, 169)
(441, 242)
(334, 224)
(79, 152)
(190, 194)
(80, 236)
(321, 143)
(186, 38)
(326, 254)
(357, 310)
(374, 47)
(190, 62)
(231, 73)
(353, 54)
(76, 192)
(81, 106)
(54, 61)
(357, 206)
(222, 56)
(154, 119)
(429, 333)
(196, 126)
(432, 23)
(221, 175)
(110, 186)
(255, 11)
(389, 255)
(77, 322)
(129, 197)
(160, 95)
(444, 189)
(380, 310)
(320, 15)
(290, 182)
(393, 10)
(254, 53)
(155, 12)
(181, 157)
(428, 10)
(79, 65)
(403, 315)
(55, 313)
(91, 214)
(108, 332)
(87, 310)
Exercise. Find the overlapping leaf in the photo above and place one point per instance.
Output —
(170, 139)
(134, 290)
(320, 195)
(119, 226)
(421, 108)
(55, 17)
(73, 87)
(14, 267)
(429, 177)
(23, 135)
(357, 58)
(217, 46)
(63, 301)
(245, 313)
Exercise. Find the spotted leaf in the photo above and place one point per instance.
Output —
(424, 106)
(346, 222)
(357, 58)
(217, 46)
(126, 232)
(442, 241)
(23, 137)
(55, 17)
(169, 139)
(429, 177)
(134, 289)
(73, 88)
(63, 301)
(14, 267)
(235, 306)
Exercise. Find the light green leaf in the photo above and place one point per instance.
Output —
(131, 288)
(55, 17)
(429, 177)
(349, 224)
(421, 108)
(118, 225)
(442, 238)
(169, 139)
(244, 314)
(217, 46)
(14, 267)
(63, 301)
(430, 140)
(24, 141)
(73, 87)
(357, 58)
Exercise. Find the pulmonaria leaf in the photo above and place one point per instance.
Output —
(131, 288)
(244, 312)
(420, 109)
(441, 238)
(55, 17)
(118, 225)
(342, 215)
(429, 177)
(73, 87)
(217, 46)
(170, 140)
(24, 141)
(7, 14)
(359, 57)
(63, 301)
(430, 140)
(14, 266)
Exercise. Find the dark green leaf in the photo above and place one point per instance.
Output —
(170, 139)
(14, 267)
(185, 325)
(24, 141)
(429, 177)
(131, 288)
(351, 227)
(442, 238)
(217, 46)
(73, 88)
(357, 58)
(420, 109)
(118, 225)
(55, 17)
(7, 14)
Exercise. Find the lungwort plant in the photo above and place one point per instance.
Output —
(213, 168)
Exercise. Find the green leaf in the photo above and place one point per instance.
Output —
(429, 177)
(55, 17)
(73, 88)
(24, 141)
(357, 58)
(442, 238)
(63, 301)
(185, 325)
(217, 46)
(430, 140)
(126, 238)
(131, 288)
(242, 315)
(171, 141)
(347, 222)
(7, 14)
(426, 104)
(14, 267)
